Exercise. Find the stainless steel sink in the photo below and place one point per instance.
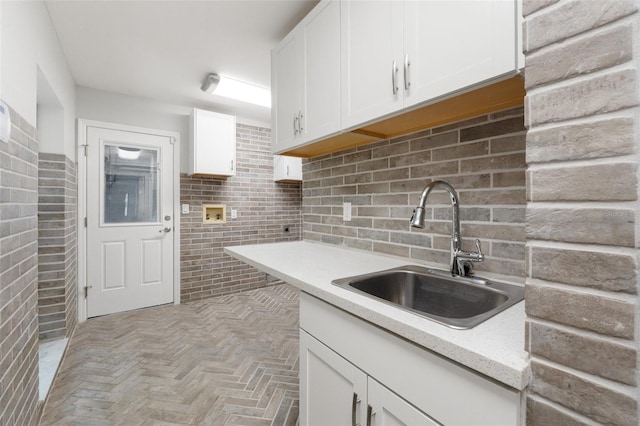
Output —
(457, 302)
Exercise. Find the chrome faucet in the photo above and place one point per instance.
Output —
(459, 261)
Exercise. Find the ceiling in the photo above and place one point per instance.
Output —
(162, 50)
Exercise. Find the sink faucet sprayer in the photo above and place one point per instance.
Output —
(459, 261)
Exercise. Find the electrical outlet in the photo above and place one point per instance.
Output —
(234, 213)
(346, 212)
(185, 209)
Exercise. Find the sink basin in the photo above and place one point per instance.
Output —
(457, 302)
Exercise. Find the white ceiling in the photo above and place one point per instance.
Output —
(163, 50)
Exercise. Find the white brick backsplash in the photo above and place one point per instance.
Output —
(582, 263)
(571, 18)
(603, 93)
(19, 276)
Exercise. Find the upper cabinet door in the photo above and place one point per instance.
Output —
(287, 169)
(212, 144)
(371, 60)
(306, 79)
(451, 45)
(321, 112)
(287, 91)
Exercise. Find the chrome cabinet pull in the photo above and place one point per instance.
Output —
(370, 414)
(394, 74)
(287, 170)
(300, 117)
(295, 124)
(407, 83)
(354, 405)
(231, 165)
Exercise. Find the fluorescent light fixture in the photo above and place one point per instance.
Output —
(239, 90)
(127, 153)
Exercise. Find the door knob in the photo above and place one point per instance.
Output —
(165, 230)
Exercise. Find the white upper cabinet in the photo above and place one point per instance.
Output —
(212, 144)
(371, 59)
(287, 169)
(322, 72)
(350, 65)
(399, 54)
(451, 45)
(306, 80)
(286, 91)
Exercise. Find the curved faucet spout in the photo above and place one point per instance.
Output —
(417, 220)
(457, 256)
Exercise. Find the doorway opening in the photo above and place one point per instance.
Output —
(57, 314)
(128, 243)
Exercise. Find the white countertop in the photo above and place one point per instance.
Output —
(494, 348)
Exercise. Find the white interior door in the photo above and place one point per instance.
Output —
(129, 220)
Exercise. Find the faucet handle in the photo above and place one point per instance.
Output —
(479, 255)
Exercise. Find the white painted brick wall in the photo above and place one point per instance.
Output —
(19, 275)
(582, 260)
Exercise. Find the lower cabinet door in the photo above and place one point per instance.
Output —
(332, 390)
(385, 408)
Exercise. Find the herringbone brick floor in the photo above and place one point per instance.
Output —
(230, 360)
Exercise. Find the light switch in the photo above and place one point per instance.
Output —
(5, 122)
(346, 212)
(185, 209)
(234, 213)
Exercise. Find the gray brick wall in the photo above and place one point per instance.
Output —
(19, 275)
(57, 213)
(582, 276)
(483, 158)
(264, 208)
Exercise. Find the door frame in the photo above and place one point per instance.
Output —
(81, 235)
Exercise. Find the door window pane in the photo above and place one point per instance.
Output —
(131, 184)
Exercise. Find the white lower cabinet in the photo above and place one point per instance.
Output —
(332, 390)
(335, 392)
(385, 408)
(354, 373)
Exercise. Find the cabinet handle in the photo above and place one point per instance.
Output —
(354, 405)
(394, 74)
(407, 83)
(370, 414)
(287, 170)
(300, 117)
(295, 124)
(231, 165)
